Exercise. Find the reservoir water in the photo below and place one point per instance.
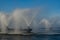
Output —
(32, 37)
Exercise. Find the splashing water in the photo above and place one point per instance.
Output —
(25, 15)
(4, 22)
(22, 19)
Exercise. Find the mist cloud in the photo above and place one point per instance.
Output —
(22, 18)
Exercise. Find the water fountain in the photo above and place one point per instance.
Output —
(22, 19)
(46, 25)
(4, 23)
(25, 15)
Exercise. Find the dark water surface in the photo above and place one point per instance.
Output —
(33, 37)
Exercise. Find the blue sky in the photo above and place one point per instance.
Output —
(52, 6)
(8, 5)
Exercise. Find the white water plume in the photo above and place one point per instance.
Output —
(24, 18)
(45, 23)
(3, 22)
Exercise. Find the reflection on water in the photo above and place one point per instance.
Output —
(15, 37)
(35, 37)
